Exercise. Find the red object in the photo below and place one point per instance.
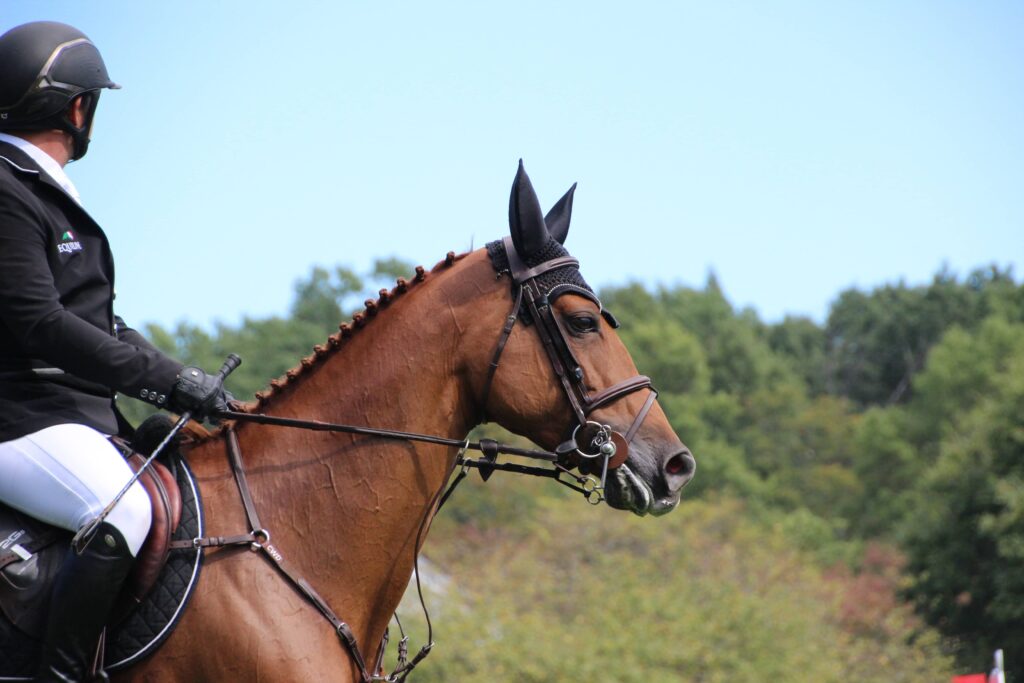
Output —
(971, 678)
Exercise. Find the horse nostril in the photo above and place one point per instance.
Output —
(681, 466)
(675, 465)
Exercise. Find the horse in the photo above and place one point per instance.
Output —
(436, 355)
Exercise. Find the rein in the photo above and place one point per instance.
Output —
(490, 449)
(589, 442)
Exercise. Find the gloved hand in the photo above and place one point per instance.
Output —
(198, 392)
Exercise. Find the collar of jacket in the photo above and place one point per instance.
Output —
(23, 163)
(19, 162)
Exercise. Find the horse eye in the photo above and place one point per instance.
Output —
(583, 323)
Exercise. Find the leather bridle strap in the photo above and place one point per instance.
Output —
(259, 540)
(541, 310)
(506, 332)
(639, 419)
(235, 458)
(617, 391)
(318, 426)
(522, 273)
(553, 264)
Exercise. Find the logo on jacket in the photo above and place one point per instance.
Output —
(68, 243)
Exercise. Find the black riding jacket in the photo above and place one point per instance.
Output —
(63, 352)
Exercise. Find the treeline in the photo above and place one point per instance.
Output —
(900, 419)
(879, 458)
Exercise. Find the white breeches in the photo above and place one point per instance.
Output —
(65, 475)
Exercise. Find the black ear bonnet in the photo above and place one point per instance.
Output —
(535, 239)
(553, 283)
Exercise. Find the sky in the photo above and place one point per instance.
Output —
(793, 149)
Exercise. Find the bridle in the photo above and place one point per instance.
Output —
(590, 443)
(589, 440)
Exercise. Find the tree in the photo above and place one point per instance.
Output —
(960, 372)
(710, 593)
(878, 341)
(663, 349)
(965, 536)
(888, 466)
(319, 298)
(803, 345)
(270, 346)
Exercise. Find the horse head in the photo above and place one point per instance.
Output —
(563, 378)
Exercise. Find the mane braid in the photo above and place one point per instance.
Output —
(346, 331)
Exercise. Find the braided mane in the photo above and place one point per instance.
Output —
(345, 331)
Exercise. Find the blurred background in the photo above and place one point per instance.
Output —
(808, 218)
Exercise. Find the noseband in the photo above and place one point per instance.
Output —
(589, 440)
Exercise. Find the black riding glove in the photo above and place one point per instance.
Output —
(196, 391)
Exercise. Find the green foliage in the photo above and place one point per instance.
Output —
(802, 344)
(662, 348)
(270, 346)
(723, 467)
(878, 341)
(738, 358)
(888, 467)
(961, 371)
(965, 536)
(318, 299)
(707, 594)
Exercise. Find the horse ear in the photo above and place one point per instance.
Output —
(525, 220)
(558, 217)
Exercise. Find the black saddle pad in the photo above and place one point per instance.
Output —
(146, 627)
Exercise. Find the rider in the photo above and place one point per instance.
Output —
(63, 352)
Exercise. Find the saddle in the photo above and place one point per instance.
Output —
(32, 552)
(27, 563)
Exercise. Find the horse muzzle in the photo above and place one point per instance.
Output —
(647, 485)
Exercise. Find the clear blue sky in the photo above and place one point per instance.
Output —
(795, 149)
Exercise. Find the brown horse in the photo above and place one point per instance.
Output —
(347, 509)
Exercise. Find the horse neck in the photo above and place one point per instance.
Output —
(352, 507)
(399, 367)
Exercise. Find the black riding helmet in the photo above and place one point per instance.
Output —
(44, 66)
